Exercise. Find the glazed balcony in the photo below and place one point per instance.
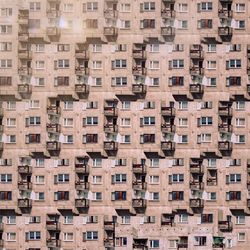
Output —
(110, 31)
(225, 226)
(225, 127)
(196, 88)
(111, 111)
(196, 203)
(168, 31)
(82, 168)
(196, 70)
(82, 185)
(82, 89)
(225, 31)
(168, 111)
(139, 168)
(110, 146)
(53, 145)
(82, 71)
(25, 169)
(53, 243)
(110, 128)
(139, 185)
(81, 203)
(167, 146)
(53, 128)
(139, 203)
(224, 13)
(24, 203)
(82, 54)
(24, 185)
(139, 71)
(53, 31)
(53, 110)
(225, 146)
(167, 13)
(53, 225)
(225, 111)
(139, 88)
(110, 13)
(168, 128)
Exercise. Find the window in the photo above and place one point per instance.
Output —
(203, 138)
(68, 105)
(241, 236)
(205, 6)
(11, 236)
(154, 162)
(147, 138)
(91, 235)
(240, 24)
(154, 81)
(125, 24)
(240, 122)
(233, 195)
(33, 138)
(11, 219)
(6, 178)
(176, 178)
(211, 196)
(119, 63)
(39, 48)
(148, 24)
(178, 47)
(200, 240)
(183, 139)
(90, 6)
(211, 64)
(125, 139)
(183, 122)
(176, 81)
(5, 46)
(125, 7)
(68, 122)
(33, 235)
(62, 63)
(97, 48)
(97, 179)
(121, 241)
(173, 243)
(62, 178)
(5, 63)
(34, 104)
(154, 196)
(35, 6)
(148, 6)
(211, 81)
(68, 219)
(11, 138)
(11, 122)
(5, 12)
(34, 24)
(126, 105)
(234, 47)
(61, 195)
(68, 7)
(148, 120)
(125, 122)
(240, 105)
(183, 105)
(97, 81)
(233, 178)
(39, 196)
(154, 47)
(97, 162)
(97, 64)
(91, 120)
(154, 244)
(39, 81)
(240, 7)
(183, 218)
(119, 195)
(120, 47)
(233, 63)
(176, 195)
(119, 178)
(206, 218)
(182, 24)
(211, 48)
(154, 65)
(183, 7)
(240, 219)
(39, 179)
(90, 138)
(154, 179)
(5, 29)
(97, 196)
(240, 139)
(178, 162)
(176, 64)
(11, 105)
(205, 24)
(119, 81)
(33, 121)
(5, 195)
(205, 121)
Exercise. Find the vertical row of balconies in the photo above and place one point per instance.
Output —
(248, 68)
(53, 227)
(109, 232)
(1, 128)
(168, 16)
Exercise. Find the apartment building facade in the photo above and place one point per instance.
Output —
(124, 124)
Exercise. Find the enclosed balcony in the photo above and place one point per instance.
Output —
(24, 185)
(196, 203)
(110, 128)
(110, 31)
(110, 146)
(225, 226)
(225, 146)
(168, 128)
(225, 31)
(167, 146)
(25, 203)
(82, 185)
(111, 111)
(168, 111)
(139, 203)
(24, 54)
(196, 88)
(82, 88)
(81, 203)
(24, 70)
(53, 145)
(168, 31)
(25, 169)
(139, 88)
(53, 128)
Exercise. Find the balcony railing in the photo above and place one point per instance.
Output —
(223, 13)
(139, 203)
(196, 54)
(225, 146)
(168, 128)
(109, 225)
(225, 31)
(24, 203)
(81, 203)
(53, 110)
(225, 111)
(80, 185)
(53, 145)
(196, 70)
(139, 168)
(53, 128)
(196, 203)
(139, 89)
(110, 111)
(110, 128)
(196, 185)
(110, 31)
(167, 146)
(110, 13)
(82, 168)
(82, 54)
(23, 185)
(139, 185)
(168, 31)
(167, 13)
(82, 88)
(196, 88)
(168, 111)
(138, 70)
(196, 169)
(139, 54)
(224, 127)
(225, 226)
(53, 13)
(53, 243)
(82, 71)
(25, 169)
(110, 146)
(53, 31)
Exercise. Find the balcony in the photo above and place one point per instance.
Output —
(168, 128)
(248, 203)
(196, 52)
(53, 146)
(110, 31)
(140, 246)
(225, 226)
(82, 168)
(82, 71)
(139, 203)
(53, 225)
(1, 146)
(81, 203)
(110, 128)
(53, 128)
(218, 242)
(139, 168)
(139, 54)
(25, 203)
(53, 243)
(82, 89)
(196, 70)
(25, 169)
(196, 185)
(24, 71)
(1, 226)
(23, 36)
(1, 128)
(24, 89)
(167, 220)
(139, 88)
(225, 111)
(196, 88)
(53, 13)
(225, 127)
(53, 110)
(2, 244)
(24, 185)
(111, 111)
(139, 185)
(109, 225)
(1, 112)
(182, 245)
(82, 185)
(224, 13)
(82, 54)
(24, 54)
(53, 31)
(168, 111)
(167, 13)
(167, 146)
(196, 169)
(225, 31)
(168, 31)
(248, 89)
(109, 243)
(196, 203)
(110, 13)
(139, 71)
(110, 146)
(225, 146)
